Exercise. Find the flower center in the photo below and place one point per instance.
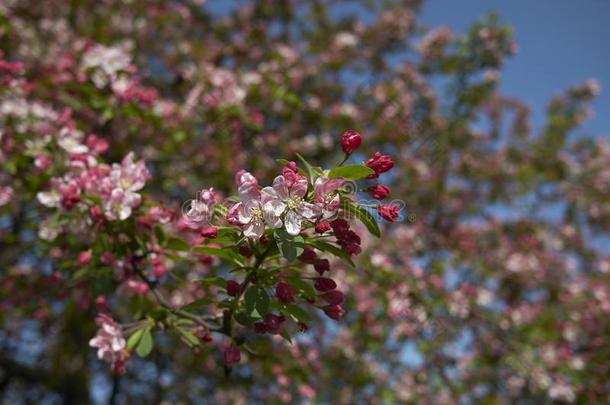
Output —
(328, 198)
(257, 214)
(294, 203)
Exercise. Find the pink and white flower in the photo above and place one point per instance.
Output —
(110, 343)
(123, 181)
(326, 196)
(256, 208)
(288, 194)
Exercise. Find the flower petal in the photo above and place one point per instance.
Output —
(293, 222)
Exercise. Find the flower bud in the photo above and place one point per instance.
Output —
(380, 164)
(335, 297)
(335, 312)
(350, 141)
(322, 226)
(379, 191)
(231, 355)
(210, 232)
(233, 288)
(324, 284)
(388, 212)
(284, 293)
(321, 266)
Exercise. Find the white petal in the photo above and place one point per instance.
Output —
(254, 230)
(293, 223)
(279, 185)
(274, 207)
(309, 211)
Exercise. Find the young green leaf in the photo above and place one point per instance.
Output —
(134, 339)
(177, 244)
(224, 253)
(352, 172)
(145, 344)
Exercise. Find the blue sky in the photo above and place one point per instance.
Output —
(561, 43)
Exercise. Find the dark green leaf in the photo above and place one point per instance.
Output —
(298, 313)
(363, 215)
(290, 246)
(332, 249)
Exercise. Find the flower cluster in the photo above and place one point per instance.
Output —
(117, 186)
(110, 343)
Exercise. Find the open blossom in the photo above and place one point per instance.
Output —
(256, 207)
(202, 208)
(288, 193)
(326, 195)
(124, 180)
(110, 343)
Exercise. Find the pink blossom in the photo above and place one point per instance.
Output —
(326, 196)
(110, 343)
(288, 196)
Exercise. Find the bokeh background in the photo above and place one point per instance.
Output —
(494, 286)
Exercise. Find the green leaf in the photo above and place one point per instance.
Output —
(224, 253)
(244, 318)
(363, 215)
(352, 172)
(188, 336)
(250, 297)
(302, 286)
(332, 249)
(145, 344)
(217, 281)
(159, 234)
(298, 313)
(134, 339)
(195, 305)
(311, 171)
(257, 302)
(286, 335)
(177, 244)
(290, 246)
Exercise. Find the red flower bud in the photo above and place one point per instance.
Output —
(379, 191)
(210, 232)
(388, 212)
(324, 284)
(245, 251)
(233, 288)
(308, 254)
(274, 323)
(260, 328)
(231, 355)
(284, 293)
(321, 266)
(335, 297)
(335, 312)
(84, 258)
(322, 226)
(380, 164)
(350, 141)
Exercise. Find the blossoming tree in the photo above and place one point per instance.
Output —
(196, 206)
